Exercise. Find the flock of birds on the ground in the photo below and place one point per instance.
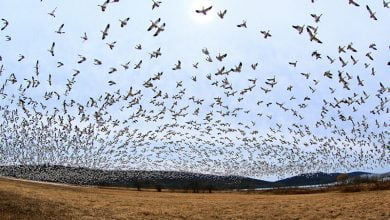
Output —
(153, 126)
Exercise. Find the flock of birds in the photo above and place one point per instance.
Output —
(157, 126)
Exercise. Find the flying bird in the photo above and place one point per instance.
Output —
(104, 5)
(352, 2)
(159, 30)
(204, 10)
(124, 22)
(84, 37)
(154, 24)
(317, 18)
(266, 34)
(105, 32)
(52, 13)
(386, 4)
(372, 14)
(156, 4)
(138, 65)
(300, 29)
(59, 31)
(313, 36)
(243, 24)
(51, 50)
(6, 23)
(221, 14)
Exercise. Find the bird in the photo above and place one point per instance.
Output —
(97, 62)
(386, 4)
(254, 66)
(350, 47)
(6, 23)
(372, 14)
(306, 75)
(204, 10)
(126, 65)
(159, 30)
(330, 59)
(369, 56)
(316, 55)
(343, 63)
(105, 31)
(352, 2)
(314, 29)
(355, 61)
(177, 66)
(84, 37)
(313, 36)
(265, 90)
(237, 68)
(154, 24)
(138, 65)
(221, 14)
(266, 34)
(317, 18)
(156, 4)
(195, 65)
(341, 49)
(112, 70)
(156, 54)
(82, 59)
(328, 74)
(49, 80)
(205, 51)
(111, 45)
(243, 24)
(360, 82)
(300, 29)
(21, 57)
(52, 13)
(221, 57)
(294, 64)
(59, 31)
(124, 22)
(51, 50)
(104, 5)
(373, 46)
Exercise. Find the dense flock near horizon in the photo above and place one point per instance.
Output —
(132, 92)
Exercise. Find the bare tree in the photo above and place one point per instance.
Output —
(342, 178)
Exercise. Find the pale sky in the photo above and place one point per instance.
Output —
(186, 33)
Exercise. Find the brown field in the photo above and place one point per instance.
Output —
(27, 200)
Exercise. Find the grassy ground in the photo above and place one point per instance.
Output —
(26, 200)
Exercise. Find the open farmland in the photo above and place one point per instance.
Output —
(29, 200)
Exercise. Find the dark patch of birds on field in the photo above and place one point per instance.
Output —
(133, 178)
(174, 128)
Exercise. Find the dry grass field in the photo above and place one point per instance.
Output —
(26, 200)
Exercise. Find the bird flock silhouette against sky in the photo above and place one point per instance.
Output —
(253, 88)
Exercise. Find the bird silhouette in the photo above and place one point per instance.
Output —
(204, 10)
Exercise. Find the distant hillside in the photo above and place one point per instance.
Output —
(314, 179)
(159, 179)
